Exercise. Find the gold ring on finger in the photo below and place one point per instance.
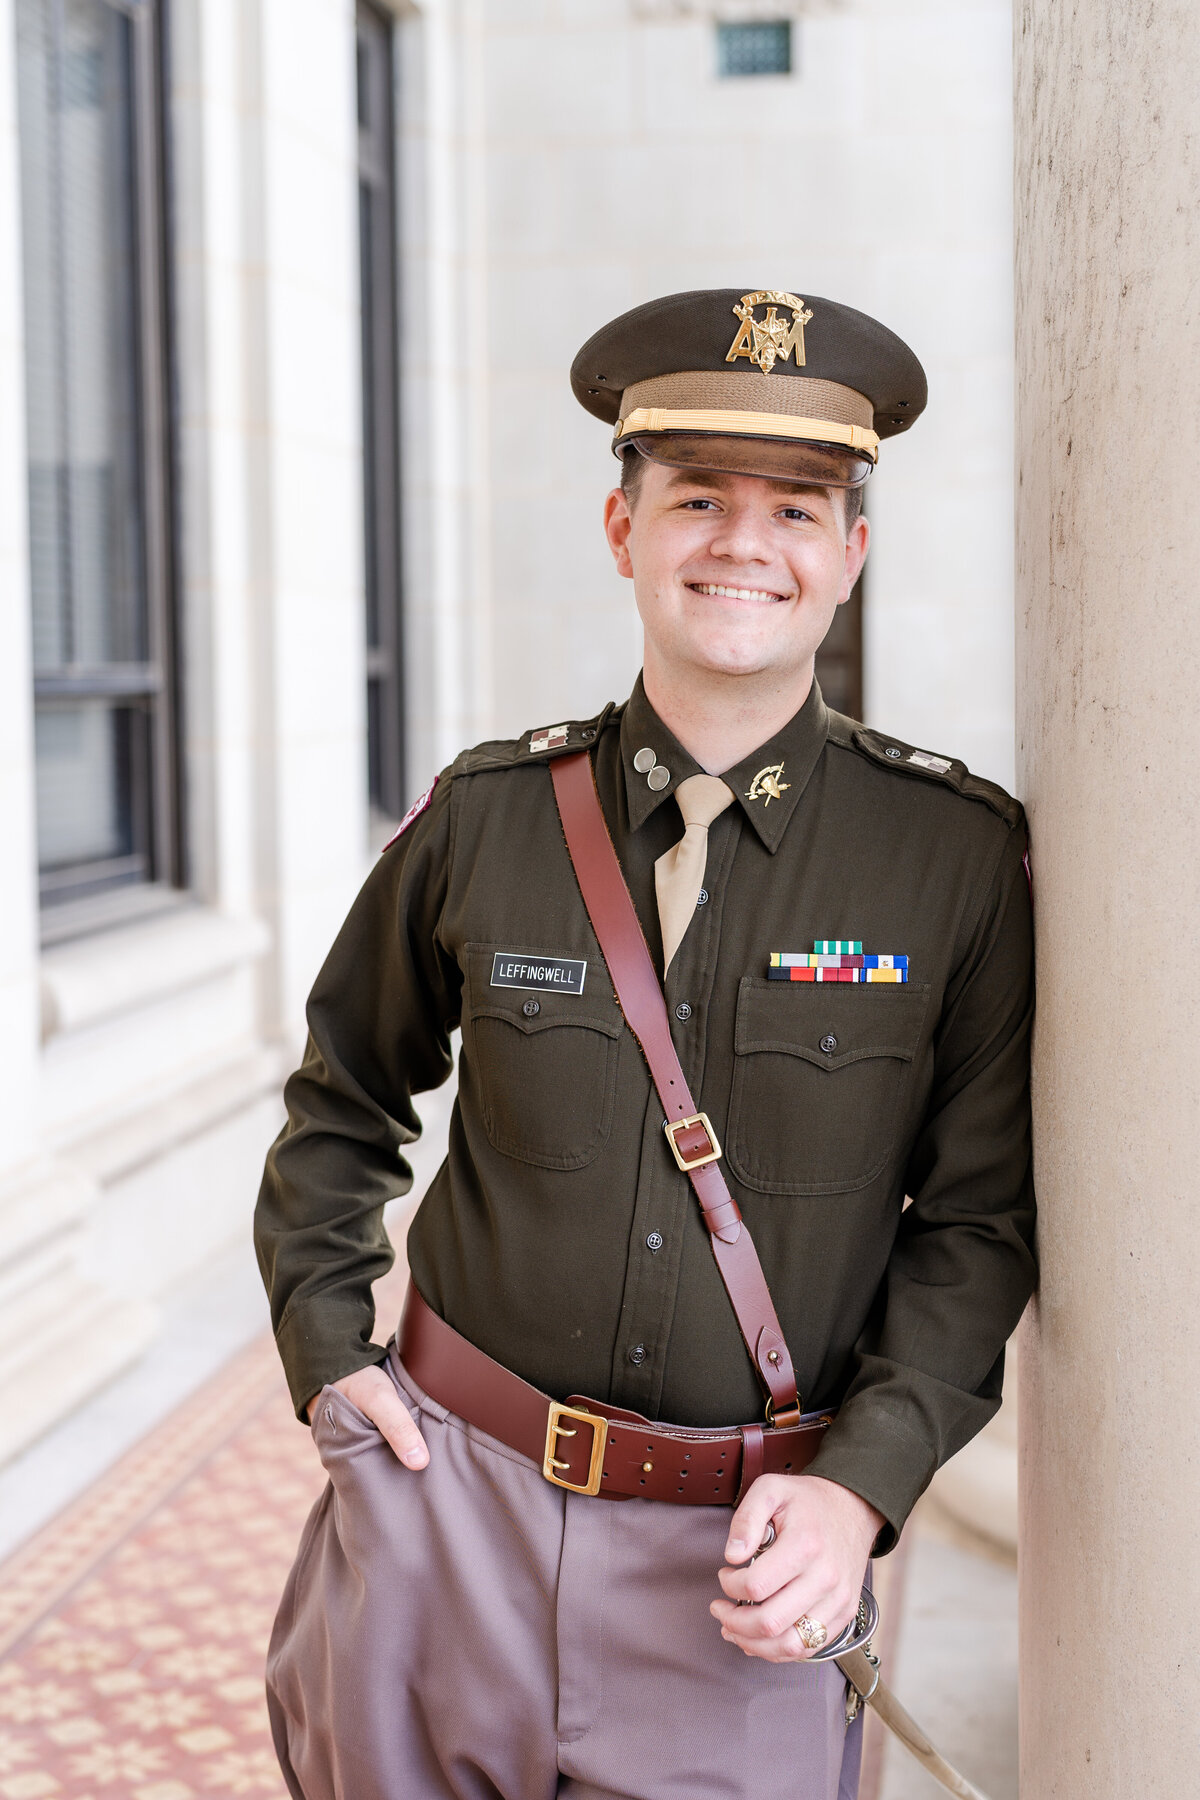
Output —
(812, 1633)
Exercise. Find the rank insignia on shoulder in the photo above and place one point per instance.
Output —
(925, 759)
(550, 737)
(414, 812)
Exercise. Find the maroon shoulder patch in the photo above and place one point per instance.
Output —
(414, 812)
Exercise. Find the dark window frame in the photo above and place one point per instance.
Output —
(839, 661)
(740, 45)
(840, 658)
(92, 893)
(382, 544)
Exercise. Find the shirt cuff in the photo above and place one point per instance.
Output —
(870, 1452)
(319, 1342)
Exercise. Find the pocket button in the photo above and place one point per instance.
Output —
(829, 1043)
(532, 1008)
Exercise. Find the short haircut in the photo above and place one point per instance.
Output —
(633, 465)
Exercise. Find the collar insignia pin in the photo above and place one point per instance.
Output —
(768, 785)
(765, 340)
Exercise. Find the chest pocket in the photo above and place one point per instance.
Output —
(819, 1079)
(544, 1078)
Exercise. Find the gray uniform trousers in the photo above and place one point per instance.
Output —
(470, 1632)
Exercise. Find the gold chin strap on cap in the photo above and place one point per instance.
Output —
(648, 419)
(679, 872)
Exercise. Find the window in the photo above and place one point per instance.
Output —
(759, 49)
(380, 408)
(90, 133)
(840, 658)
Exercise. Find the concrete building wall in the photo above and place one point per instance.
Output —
(1108, 168)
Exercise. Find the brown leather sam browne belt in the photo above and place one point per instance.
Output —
(586, 1446)
(689, 1131)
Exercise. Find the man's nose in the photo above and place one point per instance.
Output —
(743, 537)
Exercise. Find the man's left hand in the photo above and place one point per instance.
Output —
(815, 1567)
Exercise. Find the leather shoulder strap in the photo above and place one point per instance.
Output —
(616, 925)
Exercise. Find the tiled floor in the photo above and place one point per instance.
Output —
(209, 1318)
(133, 1628)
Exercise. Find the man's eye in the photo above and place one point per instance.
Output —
(796, 512)
(698, 503)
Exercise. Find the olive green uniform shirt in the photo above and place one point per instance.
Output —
(559, 1235)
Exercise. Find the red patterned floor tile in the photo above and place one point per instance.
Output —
(133, 1629)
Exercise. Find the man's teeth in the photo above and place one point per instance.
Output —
(732, 593)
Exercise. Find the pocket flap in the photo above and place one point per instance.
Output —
(830, 1026)
(596, 1010)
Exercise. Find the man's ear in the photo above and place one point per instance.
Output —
(857, 545)
(618, 523)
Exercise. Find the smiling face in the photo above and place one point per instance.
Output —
(734, 575)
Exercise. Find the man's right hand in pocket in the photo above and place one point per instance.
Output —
(372, 1392)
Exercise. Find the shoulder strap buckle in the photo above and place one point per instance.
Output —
(693, 1141)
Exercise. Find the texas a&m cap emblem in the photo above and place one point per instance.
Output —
(769, 339)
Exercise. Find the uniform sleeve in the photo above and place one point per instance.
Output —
(929, 1366)
(379, 1017)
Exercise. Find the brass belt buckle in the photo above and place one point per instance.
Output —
(687, 1163)
(556, 1429)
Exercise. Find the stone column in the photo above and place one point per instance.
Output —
(1108, 727)
(303, 475)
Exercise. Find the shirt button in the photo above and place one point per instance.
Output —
(702, 897)
(892, 752)
(638, 1354)
(683, 1012)
(829, 1043)
(532, 1008)
(654, 1241)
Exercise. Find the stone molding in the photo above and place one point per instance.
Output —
(98, 978)
(61, 1336)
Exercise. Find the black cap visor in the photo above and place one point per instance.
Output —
(782, 459)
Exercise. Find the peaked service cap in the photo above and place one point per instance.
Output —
(763, 383)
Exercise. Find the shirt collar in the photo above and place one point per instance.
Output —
(767, 784)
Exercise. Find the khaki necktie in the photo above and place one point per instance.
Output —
(679, 872)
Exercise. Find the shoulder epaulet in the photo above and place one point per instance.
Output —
(924, 765)
(540, 745)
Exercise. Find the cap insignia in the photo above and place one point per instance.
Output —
(764, 340)
(768, 785)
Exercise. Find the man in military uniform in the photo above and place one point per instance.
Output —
(517, 1583)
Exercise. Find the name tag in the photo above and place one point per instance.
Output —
(555, 975)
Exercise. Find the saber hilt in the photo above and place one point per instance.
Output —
(851, 1651)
